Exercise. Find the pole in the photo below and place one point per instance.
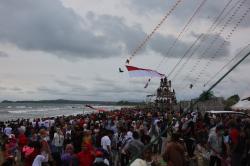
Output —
(217, 82)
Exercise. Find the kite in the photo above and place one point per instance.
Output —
(120, 70)
(140, 72)
(191, 86)
(147, 83)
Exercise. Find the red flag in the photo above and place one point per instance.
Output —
(140, 72)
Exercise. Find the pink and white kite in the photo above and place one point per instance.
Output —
(140, 72)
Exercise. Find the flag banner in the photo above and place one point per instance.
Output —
(140, 72)
(99, 110)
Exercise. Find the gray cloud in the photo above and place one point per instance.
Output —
(104, 85)
(3, 54)
(72, 77)
(217, 45)
(116, 30)
(2, 88)
(103, 89)
(185, 9)
(49, 26)
(51, 91)
(17, 89)
(161, 44)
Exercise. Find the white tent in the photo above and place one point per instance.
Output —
(242, 105)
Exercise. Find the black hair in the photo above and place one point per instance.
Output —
(175, 137)
(136, 135)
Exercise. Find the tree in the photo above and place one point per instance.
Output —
(231, 101)
(206, 95)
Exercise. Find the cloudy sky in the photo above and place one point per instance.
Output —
(72, 49)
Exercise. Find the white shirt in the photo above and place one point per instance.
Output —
(52, 122)
(105, 142)
(58, 140)
(47, 123)
(39, 159)
(34, 124)
(139, 162)
(41, 123)
(23, 128)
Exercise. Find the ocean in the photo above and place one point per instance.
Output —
(9, 111)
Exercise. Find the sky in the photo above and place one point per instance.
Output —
(72, 49)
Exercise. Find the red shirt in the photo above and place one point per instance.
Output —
(234, 134)
(23, 140)
(85, 158)
(30, 158)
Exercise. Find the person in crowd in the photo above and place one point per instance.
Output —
(30, 152)
(45, 147)
(43, 157)
(68, 158)
(154, 132)
(106, 142)
(86, 156)
(175, 153)
(188, 135)
(145, 159)
(22, 141)
(10, 150)
(100, 160)
(125, 140)
(215, 144)
(58, 141)
(117, 137)
(135, 146)
(7, 130)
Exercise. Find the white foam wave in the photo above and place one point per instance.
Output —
(21, 106)
(18, 111)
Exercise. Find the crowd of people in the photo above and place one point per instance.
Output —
(130, 136)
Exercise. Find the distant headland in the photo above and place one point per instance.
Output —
(62, 101)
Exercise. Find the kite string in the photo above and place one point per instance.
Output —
(179, 35)
(153, 31)
(215, 39)
(165, 58)
(222, 45)
(227, 13)
(204, 37)
(217, 73)
(185, 54)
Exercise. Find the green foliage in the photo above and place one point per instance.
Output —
(206, 96)
(231, 101)
(129, 103)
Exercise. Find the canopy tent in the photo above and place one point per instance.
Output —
(242, 105)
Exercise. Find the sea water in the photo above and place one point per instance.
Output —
(9, 111)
